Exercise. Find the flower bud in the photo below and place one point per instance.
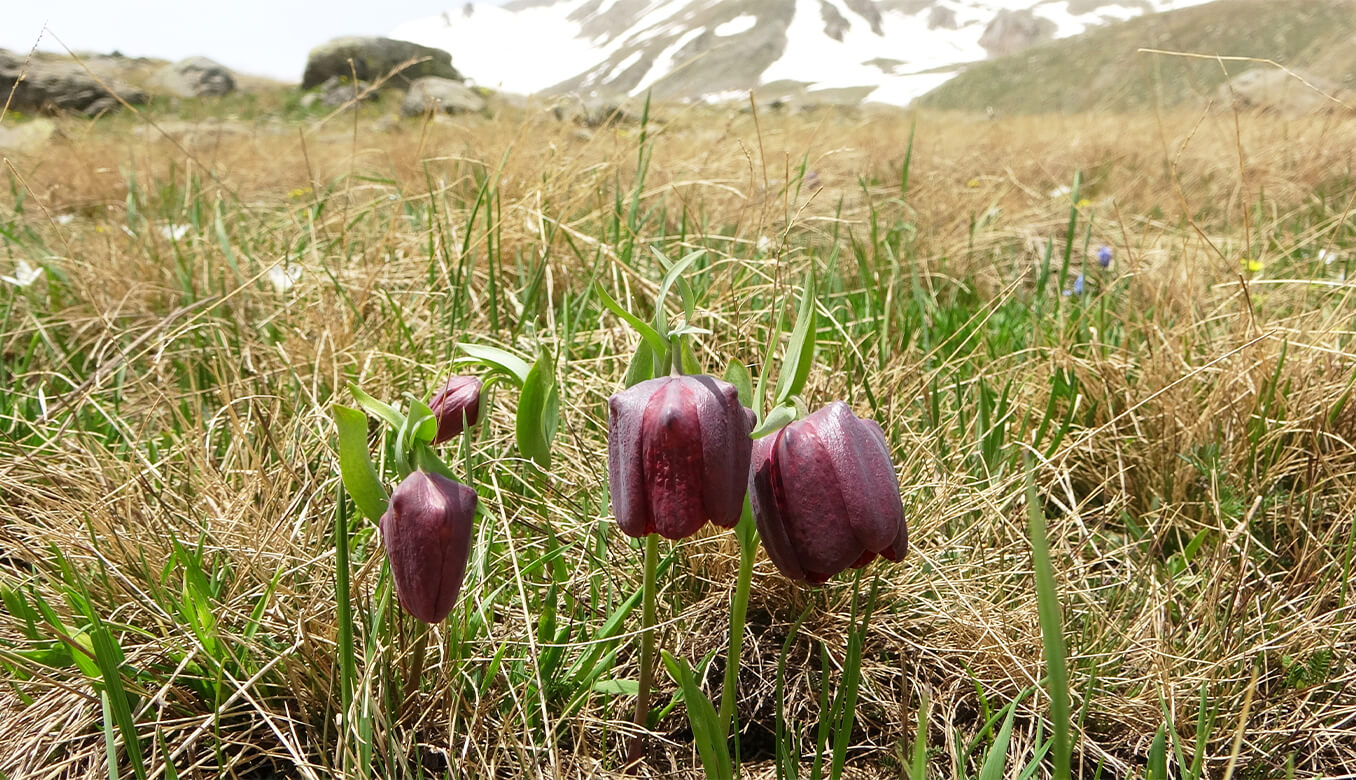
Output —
(825, 496)
(456, 406)
(427, 534)
(678, 453)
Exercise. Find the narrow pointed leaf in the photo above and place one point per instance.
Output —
(495, 358)
(380, 408)
(355, 463)
(738, 375)
(778, 418)
(652, 337)
(800, 352)
(538, 407)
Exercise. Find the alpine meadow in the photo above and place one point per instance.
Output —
(1108, 359)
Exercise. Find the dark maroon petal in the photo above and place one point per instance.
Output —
(900, 546)
(427, 534)
(625, 469)
(814, 511)
(763, 490)
(671, 451)
(455, 406)
(866, 557)
(861, 460)
(725, 446)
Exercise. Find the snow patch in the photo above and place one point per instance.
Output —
(737, 25)
(620, 68)
(482, 43)
(664, 63)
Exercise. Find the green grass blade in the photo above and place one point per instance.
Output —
(1052, 627)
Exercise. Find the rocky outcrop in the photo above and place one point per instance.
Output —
(195, 77)
(1275, 91)
(335, 92)
(1012, 31)
(26, 136)
(592, 111)
(51, 86)
(373, 58)
(432, 93)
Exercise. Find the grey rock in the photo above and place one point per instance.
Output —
(335, 92)
(196, 77)
(835, 24)
(26, 136)
(1012, 31)
(942, 17)
(373, 58)
(1272, 90)
(591, 111)
(52, 86)
(439, 94)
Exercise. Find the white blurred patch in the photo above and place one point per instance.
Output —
(283, 278)
(24, 274)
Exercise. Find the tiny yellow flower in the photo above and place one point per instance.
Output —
(1084, 203)
(973, 183)
(1252, 266)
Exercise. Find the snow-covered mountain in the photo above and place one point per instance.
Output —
(895, 49)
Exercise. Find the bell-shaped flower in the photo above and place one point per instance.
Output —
(825, 495)
(427, 534)
(678, 453)
(456, 406)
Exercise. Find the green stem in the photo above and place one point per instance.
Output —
(748, 548)
(416, 672)
(633, 755)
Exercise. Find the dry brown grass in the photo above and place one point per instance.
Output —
(156, 394)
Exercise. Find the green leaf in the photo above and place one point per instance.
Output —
(642, 365)
(675, 270)
(355, 463)
(997, 757)
(738, 375)
(538, 412)
(380, 408)
(420, 425)
(657, 342)
(424, 458)
(618, 687)
(690, 363)
(776, 419)
(498, 359)
(1156, 767)
(701, 714)
(800, 352)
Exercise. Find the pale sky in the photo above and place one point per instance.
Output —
(265, 37)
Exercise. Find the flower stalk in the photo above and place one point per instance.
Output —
(647, 622)
(746, 533)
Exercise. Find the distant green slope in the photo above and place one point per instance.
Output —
(1102, 69)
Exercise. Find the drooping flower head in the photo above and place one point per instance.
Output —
(1104, 256)
(427, 534)
(825, 495)
(678, 452)
(455, 406)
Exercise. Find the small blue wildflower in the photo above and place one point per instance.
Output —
(1104, 256)
(1077, 286)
